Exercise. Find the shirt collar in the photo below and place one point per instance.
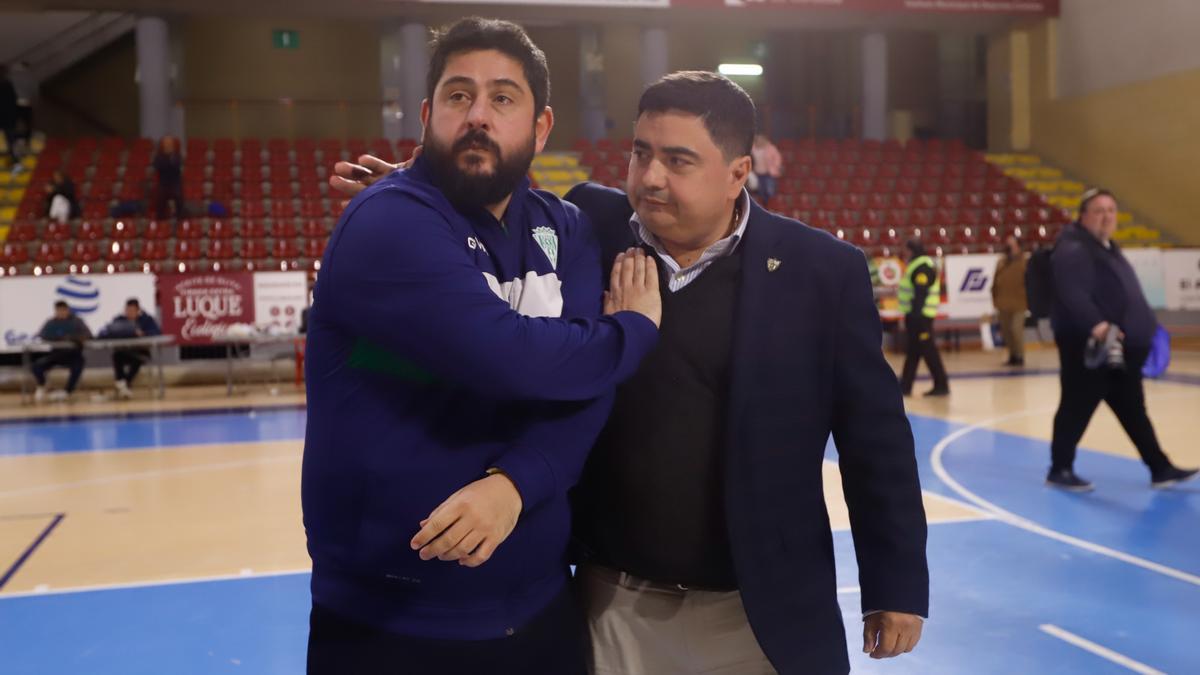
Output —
(720, 248)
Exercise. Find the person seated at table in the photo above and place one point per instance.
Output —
(134, 323)
(63, 327)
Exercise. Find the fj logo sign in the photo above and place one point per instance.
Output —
(976, 281)
(547, 239)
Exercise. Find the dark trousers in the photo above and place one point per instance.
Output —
(1082, 391)
(921, 345)
(10, 139)
(553, 643)
(70, 358)
(127, 363)
(169, 193)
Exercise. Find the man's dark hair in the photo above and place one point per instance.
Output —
(477, 34)
(133, 302)
(61, 304)
(1092, 194)
(725, 108)
(915, 247)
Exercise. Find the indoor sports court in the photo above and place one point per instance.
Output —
(167, 537)
(167, 193)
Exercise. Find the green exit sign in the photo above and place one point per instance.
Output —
(285, 39)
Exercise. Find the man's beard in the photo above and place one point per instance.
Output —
(467, 191)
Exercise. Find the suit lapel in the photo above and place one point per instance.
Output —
(761, 246)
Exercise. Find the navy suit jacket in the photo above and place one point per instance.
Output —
(807, 363)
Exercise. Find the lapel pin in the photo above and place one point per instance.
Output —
(773, 264)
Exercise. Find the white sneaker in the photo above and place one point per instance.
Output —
(123, 391)
(59, 395)
(39, 395)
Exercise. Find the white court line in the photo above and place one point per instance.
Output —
(183, 470)
(243, 574)
(1016, 521)
(982, 517)
(1098, 650)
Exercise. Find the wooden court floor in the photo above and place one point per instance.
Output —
(202, 486)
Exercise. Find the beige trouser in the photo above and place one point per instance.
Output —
(642, 628)
(1012, 328)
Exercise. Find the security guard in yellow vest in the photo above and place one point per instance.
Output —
(920, 294)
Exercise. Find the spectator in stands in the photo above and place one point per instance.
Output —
(1008, 296)
(62, 203)
(8, 113)
(1099, 310)
(437, 458)
(768, 167)
(63, 327)
(920, 296)
(168, 164)
(134, 323)
(26, 90)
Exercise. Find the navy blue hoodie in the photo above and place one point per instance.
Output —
(433, 354)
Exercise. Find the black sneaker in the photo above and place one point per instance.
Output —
(1065, 479)
(1172, 476)
(1015, 363)
(937, 391)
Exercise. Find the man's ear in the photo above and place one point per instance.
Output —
(739, 173)
(541, 128)
(426, 109)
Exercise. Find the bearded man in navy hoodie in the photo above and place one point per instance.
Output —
(460, 366)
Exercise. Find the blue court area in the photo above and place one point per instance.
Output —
(28, 437)
(1118, 569)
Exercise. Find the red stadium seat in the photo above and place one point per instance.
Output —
(154, 250)
(190, 229)
(48, 253)
(158, 230)
(221, 250)
(283, 229)
(254, 249)
(14, 253)
(186, 249)
(85, 252)
(119, 251)
(56, 231)
(22, 231)
(221, 229)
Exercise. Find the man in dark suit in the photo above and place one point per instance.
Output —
(704, 538)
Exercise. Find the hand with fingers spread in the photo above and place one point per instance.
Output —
(633, 286)
(471, 523)
(350, 179)
(888, 634)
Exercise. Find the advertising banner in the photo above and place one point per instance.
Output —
(27, 302)
(968, 281)
(198, 307)
(1148, 265)
(1011, 7)
(279, 298)
(1181, 272)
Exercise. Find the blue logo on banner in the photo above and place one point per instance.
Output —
(80, 294)
(976, 281)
